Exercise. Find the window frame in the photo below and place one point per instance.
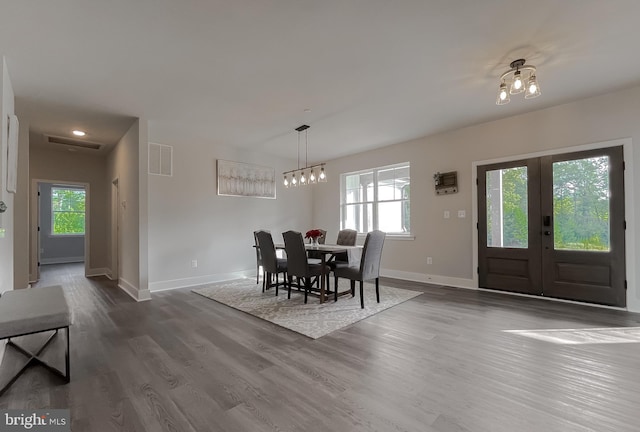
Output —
(53, 211)
(375, 201)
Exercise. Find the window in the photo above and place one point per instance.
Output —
(67, 211)
(378, 198)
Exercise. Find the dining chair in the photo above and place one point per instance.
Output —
(346, 237)
(271, 264)
(297, 262)
(368, 268)
(258, 258)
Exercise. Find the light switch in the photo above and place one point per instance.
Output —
(462, 214)
(447, 215)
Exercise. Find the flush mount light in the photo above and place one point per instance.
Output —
(514, 82)
(78, 133)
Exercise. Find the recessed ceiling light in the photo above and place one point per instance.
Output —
(307, 110)
(79, 133)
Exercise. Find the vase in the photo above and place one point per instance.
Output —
(314, 242)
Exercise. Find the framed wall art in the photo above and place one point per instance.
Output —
(247, 180)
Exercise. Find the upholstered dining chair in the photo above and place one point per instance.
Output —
(297, 262)
(368, 268)
(346, 237)
(271, 264)
(258, 258)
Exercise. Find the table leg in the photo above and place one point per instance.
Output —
(323, 262)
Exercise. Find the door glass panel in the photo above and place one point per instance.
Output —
(581, 204)
(507, 208)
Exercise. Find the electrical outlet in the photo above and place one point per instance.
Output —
(194, 263)
(462, 214)
(429, 260)
(447, 214)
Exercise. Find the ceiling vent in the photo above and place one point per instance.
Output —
(72, 143)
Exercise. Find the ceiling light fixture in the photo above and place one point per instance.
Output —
(513, 82)
(78, 133)
(306, 175)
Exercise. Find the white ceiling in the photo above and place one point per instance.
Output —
(241, 72)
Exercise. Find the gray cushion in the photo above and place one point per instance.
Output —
(32, 310)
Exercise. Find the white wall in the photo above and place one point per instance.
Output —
(62, 166)
(123, 163)
(6, 218)
(189, 221)
(450, 241)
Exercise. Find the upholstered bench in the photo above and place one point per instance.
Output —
(35, 310)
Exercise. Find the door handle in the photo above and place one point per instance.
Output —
(547, 233)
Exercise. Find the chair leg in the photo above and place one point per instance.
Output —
(307, 287)
(257, 273)
(335, 290)
(67, 362)
(378, 289)
(276, 284)
(361, 295)
(353, 288)
(264, 281)
(287, 284)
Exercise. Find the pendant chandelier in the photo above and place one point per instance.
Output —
(513, 82)
(310, 174)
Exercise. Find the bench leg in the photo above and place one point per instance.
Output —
(35, 359)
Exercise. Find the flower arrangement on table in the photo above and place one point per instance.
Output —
(314, 235)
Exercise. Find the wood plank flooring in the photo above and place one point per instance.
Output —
(438, 363)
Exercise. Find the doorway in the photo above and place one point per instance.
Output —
(116, 242)
(60, 224)
(554, 226)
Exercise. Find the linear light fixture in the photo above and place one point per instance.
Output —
(309, 174)
(513, 82)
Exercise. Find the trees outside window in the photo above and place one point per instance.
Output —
(67, 211)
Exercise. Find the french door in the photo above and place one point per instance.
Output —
(554, 226)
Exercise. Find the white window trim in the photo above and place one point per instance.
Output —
(392, 236)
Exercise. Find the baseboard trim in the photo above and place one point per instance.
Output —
(67, 260)
(199, 280)
(134, 293)
(469, 284)
(98, 272)
(428, 278)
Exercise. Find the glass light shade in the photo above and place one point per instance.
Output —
(294, 180)
(533, 88)
(322, 178)
(286, 182)
(312, 177)
(517, 86)
(303, 179)
(503, 95)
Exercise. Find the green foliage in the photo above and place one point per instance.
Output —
(580, 205)
(68, 207)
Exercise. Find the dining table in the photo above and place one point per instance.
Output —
(326, 251)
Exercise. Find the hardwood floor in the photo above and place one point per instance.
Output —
(440, 362)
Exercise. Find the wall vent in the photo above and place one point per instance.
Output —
(72, 143)
(160, 159)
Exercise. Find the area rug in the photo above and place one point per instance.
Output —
(312, 319)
